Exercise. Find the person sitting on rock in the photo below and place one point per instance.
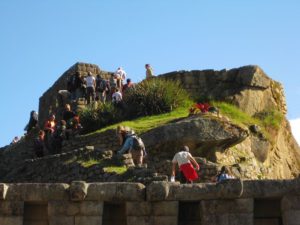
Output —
(134, 145)
(224, 174)
(185, 161)
(68, 114)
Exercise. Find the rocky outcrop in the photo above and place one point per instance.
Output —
(247, 87)
(248, 152)
(204, 134)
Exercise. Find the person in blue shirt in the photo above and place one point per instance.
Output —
(133, 145)
(224, 174)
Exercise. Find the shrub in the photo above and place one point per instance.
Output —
(93, 118)
(154, 96)
(271, 119)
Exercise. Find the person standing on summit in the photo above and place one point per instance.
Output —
(90, 87)
(149, 71)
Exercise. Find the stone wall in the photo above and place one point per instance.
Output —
(230, 202)
(48, 102)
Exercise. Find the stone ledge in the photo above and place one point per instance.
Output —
(37, 192)
(116, 191)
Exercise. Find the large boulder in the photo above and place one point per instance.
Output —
(204, 135)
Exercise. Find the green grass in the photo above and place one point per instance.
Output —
(146, 123)
(266, 120)
(89, 162)
(235, 114)
(272, 119)
(115, 169)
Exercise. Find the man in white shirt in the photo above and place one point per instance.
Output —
(120, 76)
(117, 97)
(90, 87)
(185, 161)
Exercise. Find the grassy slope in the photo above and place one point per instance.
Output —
(143, 124)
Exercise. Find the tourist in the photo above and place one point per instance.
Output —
(38, 144)
(117, 97)
(133, 145)
(224, 174)
(49, 129)
(33, 120)
(68, 114)
(58, 136)
(90, 87)
(149, 71)
(15, 140)
(128, 85)
(185, 161)
(119, 76)
(74, 86)
(102, 88)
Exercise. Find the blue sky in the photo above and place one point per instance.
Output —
(41, 39)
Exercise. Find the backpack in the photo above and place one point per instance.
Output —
(102, 85)
(137, 143)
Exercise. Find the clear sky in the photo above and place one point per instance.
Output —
(41, 39)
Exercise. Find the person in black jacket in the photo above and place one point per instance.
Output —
(33, 120)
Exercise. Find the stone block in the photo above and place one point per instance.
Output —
(37, 192)
(11, 220)
(240, 218)
(139, 220)
(91, 208)
(167, 208)
(291, 217)
(226, 206)
(78, 190)
(90, 220)
(61, 220)
(158, 191)
(116, 191)
(165, 220)
(209, 219)
(227, 219)
(138, 209)
(290, 203)
(63, 208)
(11, 208)
(85, 208)
(3, 191)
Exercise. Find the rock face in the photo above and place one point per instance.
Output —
(247, 87)
(203, 134)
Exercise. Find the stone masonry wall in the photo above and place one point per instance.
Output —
(48, 102)
(231, 202)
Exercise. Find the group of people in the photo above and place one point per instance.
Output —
(51, 136)
(100, 89)
(187, 164)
